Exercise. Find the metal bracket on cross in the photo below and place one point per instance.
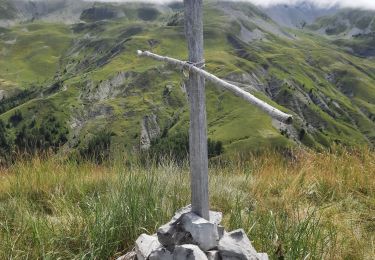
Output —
(272, 111)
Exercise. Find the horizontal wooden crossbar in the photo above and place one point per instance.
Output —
(272, 111)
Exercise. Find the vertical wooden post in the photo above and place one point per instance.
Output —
(197, 99)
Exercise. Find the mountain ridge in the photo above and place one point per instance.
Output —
(95, 81)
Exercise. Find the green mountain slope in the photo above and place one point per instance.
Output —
(88, 76)
(31, 52)
(351, 29)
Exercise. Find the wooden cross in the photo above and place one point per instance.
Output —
(196, 91)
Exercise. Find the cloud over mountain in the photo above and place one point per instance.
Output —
(363, 4)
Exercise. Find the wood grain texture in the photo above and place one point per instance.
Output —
(197, 99)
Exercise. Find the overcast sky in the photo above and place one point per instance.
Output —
(365, 4)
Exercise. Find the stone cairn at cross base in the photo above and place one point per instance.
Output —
(190, 237)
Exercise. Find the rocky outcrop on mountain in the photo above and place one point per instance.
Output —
(149, 131)
(108, 89)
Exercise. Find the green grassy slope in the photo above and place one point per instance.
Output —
(352, 29)
(308, 208)
(102, 84)
(31, 52)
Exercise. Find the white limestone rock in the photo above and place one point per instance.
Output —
(263, 256)
(236, 245)
(167, 233)
(215, 217)
(149, 131)
(170, 235)
(203, 233)
(161, 254)
(174, 232)
(129, 256)
(213, 255)
(188, 252)
(146, 244)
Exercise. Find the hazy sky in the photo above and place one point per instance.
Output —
(366, 4)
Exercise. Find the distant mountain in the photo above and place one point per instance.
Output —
(352, 29)
(65, 11)
(298, 15)
(346, 22)
(66, 82)
(7, 11)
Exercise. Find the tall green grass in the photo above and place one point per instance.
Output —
(305, 205)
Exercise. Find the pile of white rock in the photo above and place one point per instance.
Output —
(190, 237)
